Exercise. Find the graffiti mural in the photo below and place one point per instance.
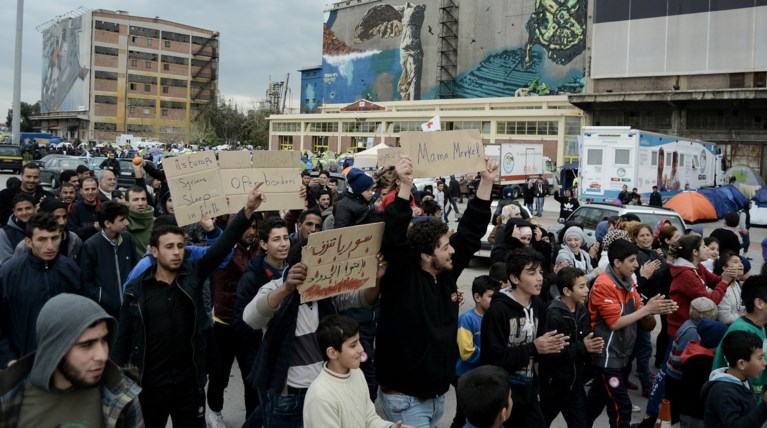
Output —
(66, 58)
(385, 50)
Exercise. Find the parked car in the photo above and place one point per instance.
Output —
(590, 215)
(10, 157)
(337, 175)
(126, 178)
(52, 166)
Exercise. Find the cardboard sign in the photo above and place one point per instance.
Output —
(234, 159)
(388, 157)
(278, 170)
(447, 152)
(195, 187)
(341, 261)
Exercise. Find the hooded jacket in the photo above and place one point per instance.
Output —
(61, 322)
(696, 368)
(730, 402)
(140, 226)
(508, 331)
(416, 337)
(26, 283)
(687, 284)
(70, 247)
(10, 236)
(568, 367)
(81, 219)
(610, 299)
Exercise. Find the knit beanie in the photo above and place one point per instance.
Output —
(702, 308)
(60, 323)
(575, 231)
(358, 181)
(711, 332)
(50, 205)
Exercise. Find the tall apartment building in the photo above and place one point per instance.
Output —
(107, 73)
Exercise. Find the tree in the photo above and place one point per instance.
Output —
(27, 111)
(220, 121)
(257, 126)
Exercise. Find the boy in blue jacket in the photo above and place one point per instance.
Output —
(728, 395)
(563, 374)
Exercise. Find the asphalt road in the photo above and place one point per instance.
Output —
(234, 407)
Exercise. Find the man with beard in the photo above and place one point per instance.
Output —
(324, 202)
(70, 381)
(68, 192)
(82, 215)
(70, 243)
(30, 184)
(140, 218)
(164, 325)
(416, 345)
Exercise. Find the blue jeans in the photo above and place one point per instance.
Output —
(643, 352)
(539, 205)
(411, 410)
(454, 205)
(278, 411)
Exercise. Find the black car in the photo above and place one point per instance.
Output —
(126, 178)
(51, 167)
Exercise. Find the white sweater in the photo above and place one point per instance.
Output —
(343, 401)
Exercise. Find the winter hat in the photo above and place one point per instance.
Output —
(575, 231)
(50, 205)
(510, 211)
(358, 181)
(507, 191)
(60, 323)
(702, 308)
(613, 236)
(711, 333)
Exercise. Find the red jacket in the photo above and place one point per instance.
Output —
(688, 284)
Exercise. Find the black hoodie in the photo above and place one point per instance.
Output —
(569, 366)
(506, 344)
(730, 402)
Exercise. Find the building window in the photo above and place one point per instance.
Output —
(166, 67)
(147, 111)
(149, 42)
(167, 43)
(131, 110)
(320, 143)
(134, 63)
(165, 89)
(132, 86)
(164, 112)
(147, 64)
(133, 39)
(147, 88)
(286, 142)
(322, 127)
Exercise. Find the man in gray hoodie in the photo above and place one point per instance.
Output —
(70, 380)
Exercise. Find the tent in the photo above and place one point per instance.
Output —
(367, 159)
(745, 175)
(760, 197)
(733, 194)
(721, 205)
(692, 206)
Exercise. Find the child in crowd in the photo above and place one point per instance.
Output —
(339, 395)
(754, 296)
(498, 273)
(713, 253)
(512, 334)
(564, 374)
(731, 307)
(728, 394)
(469, 325)
(485, 397)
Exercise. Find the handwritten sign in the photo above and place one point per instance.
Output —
(195, 187)
(278, 170)
(341, 261)
(388, 156)
(445, 152)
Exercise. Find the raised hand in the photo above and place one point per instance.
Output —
(296, 276)
(255, 199)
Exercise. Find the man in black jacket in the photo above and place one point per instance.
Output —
(164, 325)
(416, 346)
(82, 214)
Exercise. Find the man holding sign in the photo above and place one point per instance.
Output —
(416, 346)
(164, 326)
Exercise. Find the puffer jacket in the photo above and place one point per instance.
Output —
(352, 210)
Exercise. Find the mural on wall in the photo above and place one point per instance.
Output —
(389, 51)
(65, 66)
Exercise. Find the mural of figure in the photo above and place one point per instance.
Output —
(560, 27)
(406, 21)
(61, 64)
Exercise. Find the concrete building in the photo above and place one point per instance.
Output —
(340, 128)
(695, 69)
(107, 73)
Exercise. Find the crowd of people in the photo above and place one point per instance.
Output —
(111, 314)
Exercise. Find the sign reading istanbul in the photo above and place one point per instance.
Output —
(340, 261)
(434, 153)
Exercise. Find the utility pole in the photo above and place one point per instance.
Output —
(16, 125)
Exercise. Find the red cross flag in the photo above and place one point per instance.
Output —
(432, 125)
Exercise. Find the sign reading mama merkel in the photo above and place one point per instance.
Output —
(445, 152)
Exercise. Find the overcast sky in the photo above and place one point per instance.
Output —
(258, 38)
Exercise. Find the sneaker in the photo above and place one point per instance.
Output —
(635, 408)
(215, 419)
(631, 386)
